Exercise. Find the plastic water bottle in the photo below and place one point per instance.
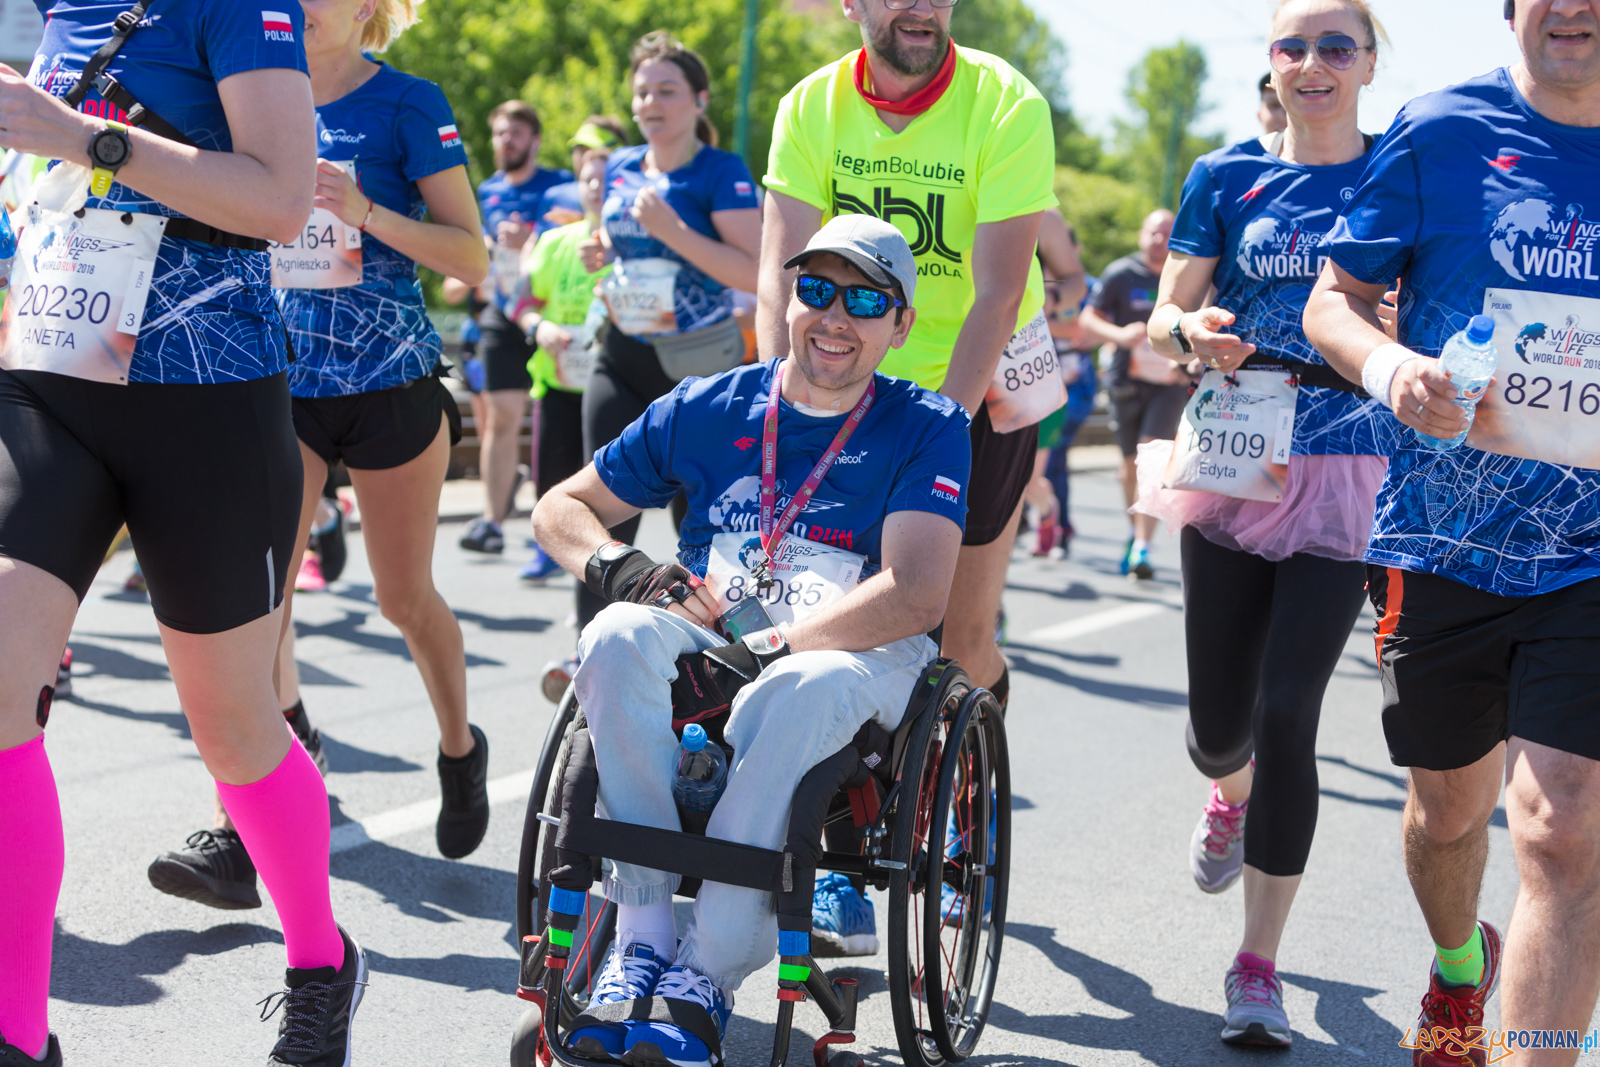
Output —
(702, 771)
(1469, 358)
(8, 247)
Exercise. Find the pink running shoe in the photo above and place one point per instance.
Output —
(310, 579)
(1049, 534)
(1255, 1014)
(1216, 852)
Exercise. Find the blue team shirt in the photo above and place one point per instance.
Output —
(704, 439)
(498, 199)
(1267, 221)
(713, 180)
(1472, 189)
(211, 316)
(397, 129)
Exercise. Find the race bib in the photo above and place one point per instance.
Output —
(1027, 383)
(575, 364)
(325, 255)
(1146, 365)
(506, 264)
(638, 293)
(1235, 439)
(1545, 400)
(78, 290)
(807, 577)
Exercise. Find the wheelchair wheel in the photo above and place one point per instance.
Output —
(530, 902)
(947, 907)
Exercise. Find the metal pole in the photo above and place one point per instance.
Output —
(747, 62)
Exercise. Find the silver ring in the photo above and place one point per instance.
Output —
(1213, 364)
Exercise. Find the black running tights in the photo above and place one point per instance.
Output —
(1263, 640)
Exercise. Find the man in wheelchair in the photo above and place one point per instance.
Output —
(826, 505)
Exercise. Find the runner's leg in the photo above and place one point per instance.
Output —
(1445, 836)
(498, 458)
(400, 518)
(975, 592)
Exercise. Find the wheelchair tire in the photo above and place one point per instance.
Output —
(530, 902)
(944, 951)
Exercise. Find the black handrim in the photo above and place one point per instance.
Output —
(530, 903)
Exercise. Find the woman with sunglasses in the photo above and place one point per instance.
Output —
(682, 227)
(1271, 589)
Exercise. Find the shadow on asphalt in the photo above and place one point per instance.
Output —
(101, 973)
(1387, 803)
(1172, 1035)
(110, 663)
(1128, 694)
(175, 721)
(1091, 660)
(348, 630)
(431, 888)
(348, 759)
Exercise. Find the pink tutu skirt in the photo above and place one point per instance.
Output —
(1326, 508)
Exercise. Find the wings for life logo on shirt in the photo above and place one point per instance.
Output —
(1535, 239)
(448, 137)
(276, 26)
(738, 509)
(1275, 249)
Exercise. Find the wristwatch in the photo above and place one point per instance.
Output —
(1179, 339)
(604, 563)
(109, 150)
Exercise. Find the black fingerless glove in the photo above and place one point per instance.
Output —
(708, 681)
(621, 573)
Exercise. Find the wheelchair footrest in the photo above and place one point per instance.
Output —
(684, 1014)
(690, 855)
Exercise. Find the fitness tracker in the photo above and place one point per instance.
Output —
(1179, 339)
(109, 150)
(603, 564)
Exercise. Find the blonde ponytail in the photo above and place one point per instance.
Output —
(389, 20)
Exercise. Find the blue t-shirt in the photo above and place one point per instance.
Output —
(568, 195)
(704, 439)
(713, 180)
(498, 199)
(1472, 189)
(211, 316)
(397, 129)
(1266, 222)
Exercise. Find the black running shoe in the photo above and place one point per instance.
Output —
(318, 1007)
(309, 735)
(64, 676)
(331, 545)
(484, 536)
(12, 1056)
(213, 869)
(464, 799)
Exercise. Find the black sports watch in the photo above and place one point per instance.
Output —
(1179, 338)
(109, 151)
(604, 563)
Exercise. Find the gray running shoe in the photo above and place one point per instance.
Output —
(1255, 1013)
(1216, 852)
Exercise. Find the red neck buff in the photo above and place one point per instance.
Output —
(917, 102)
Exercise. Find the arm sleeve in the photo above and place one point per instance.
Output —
(427, 132)
(791, 168)
(1198, 231)
(241, 37)
(943, 459)
(1376, 234)
(732, 188)
(1017, 164)
(637, 465)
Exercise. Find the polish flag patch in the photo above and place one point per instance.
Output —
(277, 26)
(743, 189)
(947, 487)
(448, 137)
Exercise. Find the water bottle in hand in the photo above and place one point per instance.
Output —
(8, 247)
(702, 771)
(1469, 358)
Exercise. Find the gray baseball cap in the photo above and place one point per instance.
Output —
(874, 247)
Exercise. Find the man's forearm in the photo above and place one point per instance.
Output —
(1342, 323)
(568, 530)
(772, 327)
(877, 612)
(976, 354)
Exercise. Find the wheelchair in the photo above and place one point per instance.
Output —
(925, 808)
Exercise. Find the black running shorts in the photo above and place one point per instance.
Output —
(1144, 411)
(1464, 669)
(505, 352)
(207, 477)
(379, 430)
(1002, 467)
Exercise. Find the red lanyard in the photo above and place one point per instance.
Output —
(772, 532)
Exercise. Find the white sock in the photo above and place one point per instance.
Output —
(651, 923)
(1141, 545)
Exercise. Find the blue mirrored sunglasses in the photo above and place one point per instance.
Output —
(859, 301)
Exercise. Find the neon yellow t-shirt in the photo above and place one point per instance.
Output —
(984, 152)
(556, 276)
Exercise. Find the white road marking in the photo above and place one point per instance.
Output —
(399, 821)
(1100, 620)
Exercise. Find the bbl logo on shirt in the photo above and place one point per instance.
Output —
(929, 220)
(275, 25)
(1535, 239)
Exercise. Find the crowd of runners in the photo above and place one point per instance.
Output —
(848, 380)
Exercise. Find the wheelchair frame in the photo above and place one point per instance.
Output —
(948, 767)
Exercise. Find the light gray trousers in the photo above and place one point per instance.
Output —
(802, 710)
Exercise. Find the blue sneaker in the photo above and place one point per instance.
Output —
(627, 975)
(540, 567)
(665, 1045)
(1139, 567)
(949, 903)
(1127, 558)
(842, 920)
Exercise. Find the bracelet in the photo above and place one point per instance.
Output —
(363, 226)
(1377, 373)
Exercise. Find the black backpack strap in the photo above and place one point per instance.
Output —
(138, 114)
(121, 30)
(1316, 374)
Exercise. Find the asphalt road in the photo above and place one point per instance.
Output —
(1113, 956)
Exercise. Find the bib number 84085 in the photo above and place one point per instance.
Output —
(795, 593)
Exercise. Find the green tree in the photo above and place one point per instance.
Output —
(1156, 152)
(1104, 211)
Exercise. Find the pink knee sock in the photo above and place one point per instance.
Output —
(283, 821)
(31, 857)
